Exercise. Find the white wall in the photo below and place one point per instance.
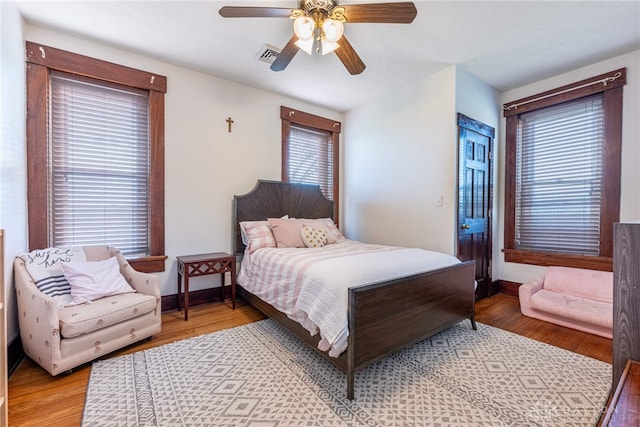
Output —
(478, 100)
(13, 181)
(205, 165)
(400, 158)
(630, 191)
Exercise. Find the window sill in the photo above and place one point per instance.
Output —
(149, 264)
(565, 260)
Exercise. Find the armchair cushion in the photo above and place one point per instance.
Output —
(91, 280)
(82, 319)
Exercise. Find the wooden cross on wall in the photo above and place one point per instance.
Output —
(229, 122)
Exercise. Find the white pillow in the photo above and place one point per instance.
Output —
(91, 280)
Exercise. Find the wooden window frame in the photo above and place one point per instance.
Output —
(289, 116)
(612, 148)
(40, 61)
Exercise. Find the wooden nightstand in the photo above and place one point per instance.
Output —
(202, 265)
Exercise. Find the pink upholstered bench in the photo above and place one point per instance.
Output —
(572, 297)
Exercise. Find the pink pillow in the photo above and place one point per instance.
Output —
(256, 235)
(287, 232)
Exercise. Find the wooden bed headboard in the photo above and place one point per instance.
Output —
(273, 199)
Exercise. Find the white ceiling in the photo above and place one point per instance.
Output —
(507, 44)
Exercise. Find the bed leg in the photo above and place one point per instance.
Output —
(350, 385)
(473, 321)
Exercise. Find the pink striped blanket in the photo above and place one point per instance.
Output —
(310, 285)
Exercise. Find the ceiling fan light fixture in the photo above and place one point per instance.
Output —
(311, 30)
(332, 30)
(304, 27)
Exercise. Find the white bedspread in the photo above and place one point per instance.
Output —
(310, 285)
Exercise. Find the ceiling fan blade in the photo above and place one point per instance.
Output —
(389, 13)
(254, 12)
(349, 57)
(286, 55)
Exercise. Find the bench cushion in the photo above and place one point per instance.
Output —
(81, 319)
(573, 307)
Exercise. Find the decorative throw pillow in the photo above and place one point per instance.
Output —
(91, 280)
(327, 224)
(256, 235)
(287, 232)
(313, 238)
(44, 268)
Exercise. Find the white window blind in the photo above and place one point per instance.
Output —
(559, 178)
(310, 154)
(98, 165)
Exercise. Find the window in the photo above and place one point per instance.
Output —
(98, 165)
(95, 153)
(563, 174)
(310, 151)
(558, 178)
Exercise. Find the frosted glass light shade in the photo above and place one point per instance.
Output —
(306, 45)
(332, 30)
(328, 47)
(303, 27)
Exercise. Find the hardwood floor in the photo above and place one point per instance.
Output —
(36, 398)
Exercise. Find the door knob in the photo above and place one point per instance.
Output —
(465, 226)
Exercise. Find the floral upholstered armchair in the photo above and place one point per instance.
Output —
(79, 303)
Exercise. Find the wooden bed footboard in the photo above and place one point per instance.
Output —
(385, 318)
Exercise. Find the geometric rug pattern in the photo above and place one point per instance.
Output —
(259, 375)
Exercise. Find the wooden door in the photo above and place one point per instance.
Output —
(475, 188)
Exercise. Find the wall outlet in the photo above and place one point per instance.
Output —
(227, 277)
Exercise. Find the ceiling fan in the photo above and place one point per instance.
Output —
(319, 24)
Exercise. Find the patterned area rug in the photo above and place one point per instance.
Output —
(258, 375)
